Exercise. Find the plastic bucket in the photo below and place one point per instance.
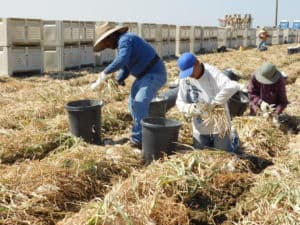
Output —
(158, 136)
(85, 119)
(158, 107)
(238, 104)
(171, 96)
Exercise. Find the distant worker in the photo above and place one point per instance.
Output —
(267, 92)
(263, 36)
(138, 58)
(202, 88)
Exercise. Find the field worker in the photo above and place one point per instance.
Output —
(202, 84)
(267, 93)
(263, 36)
(138, 58)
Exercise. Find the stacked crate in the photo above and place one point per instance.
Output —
(249, 37)
(172, 40)
(133, 27)
(289, 36)
(240, 37)
(149, 32)
(162, 40)
(183, 35)
(277, 38)
(210, 38)
(20, 46)
(61, 45)
(196, 37)
(233, 39)
(224, 35)
(86, 41)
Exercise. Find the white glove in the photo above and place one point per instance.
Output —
(276, 121)
(194, 109)
(265, 107)
(102, 77)
(243, 87)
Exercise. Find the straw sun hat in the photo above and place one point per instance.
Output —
(104, 31)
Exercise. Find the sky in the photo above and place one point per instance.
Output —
(178, 12)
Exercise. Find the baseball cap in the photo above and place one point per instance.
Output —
(186, 64)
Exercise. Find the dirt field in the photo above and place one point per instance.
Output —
(50, 177)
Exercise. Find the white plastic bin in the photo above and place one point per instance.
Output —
(18, 31)
(20, 59)
(87, 55)
(133, 27)
(172, 32)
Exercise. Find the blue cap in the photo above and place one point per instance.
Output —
(186, 64)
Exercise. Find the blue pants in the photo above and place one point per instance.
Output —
(213, 141)
(143, 90)
(262, 44)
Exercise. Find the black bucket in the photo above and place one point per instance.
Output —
(85, 119)
(238, 103)
(158, 136)
(171, 96)
(158, 107)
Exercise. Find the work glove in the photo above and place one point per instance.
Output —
(275, 121)
(121, 82)
(243, 87)
(194, 109)
(265, 107)
(102, 77)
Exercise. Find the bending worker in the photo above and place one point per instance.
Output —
(202, 88)
(136, 57)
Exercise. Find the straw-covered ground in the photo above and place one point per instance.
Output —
(50, 177)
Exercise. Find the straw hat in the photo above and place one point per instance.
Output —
(104, 31)
(267, 74)
(263, 30)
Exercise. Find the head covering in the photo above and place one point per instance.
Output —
(186, 64)
(267, 74)
(104, 31)
(263, 30)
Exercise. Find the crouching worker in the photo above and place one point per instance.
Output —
(203, 93)
(267, 93)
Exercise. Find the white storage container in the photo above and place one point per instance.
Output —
(87, 32)
(133, 27)
(206, 33)
(20, 59)
(104, 57)
(162, 32)
(59, 33)
(148, 31)
(172, 32)
(15, 31)
(196, 32)
(172, 48)
(182, 46)
(224, 35)
(60, 58)
(87, 56)
(290, 35)
(183, 33)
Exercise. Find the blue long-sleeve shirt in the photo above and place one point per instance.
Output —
(134, 54)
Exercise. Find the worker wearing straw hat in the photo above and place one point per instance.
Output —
(267, 92)
(202, 88)
(138, 58)
(263, 36)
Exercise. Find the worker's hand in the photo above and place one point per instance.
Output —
(265, 107)
(102, 77)
(194, 109)
(275, 121)
(120, 82)
(243, 87)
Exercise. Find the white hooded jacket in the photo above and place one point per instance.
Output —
(213, 85)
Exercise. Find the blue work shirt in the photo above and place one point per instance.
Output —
(134, 54)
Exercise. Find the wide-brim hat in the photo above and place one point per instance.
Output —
(267, 74)
(263, 30)
(104, 31)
